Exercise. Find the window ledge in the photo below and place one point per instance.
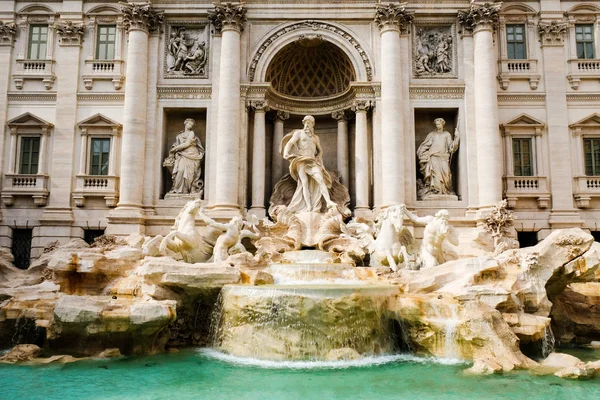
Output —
(580, 69)
(517, 187)
(586, 188)
(518, 69)
(106, 186)
(35, 186)
(34, 69)
(107, 70)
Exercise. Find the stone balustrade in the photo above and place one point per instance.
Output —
(586, 188)
(583, 69)
(520, 187)
(108, 70)
(35, 70)
(34, 186)
(518, 70)
(104, 186)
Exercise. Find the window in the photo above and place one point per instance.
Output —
(38, 39)
(584, 37)
(515, 41)
(89, 235)
(591, 148)
(21, 247)
(527, 239)
(100, 149)
(105, 46)
(30, 153)
(522, 157)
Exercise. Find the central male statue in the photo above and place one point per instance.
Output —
(303, 150)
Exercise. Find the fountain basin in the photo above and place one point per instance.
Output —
(303, 322)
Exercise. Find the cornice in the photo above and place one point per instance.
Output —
(522, 97)
(184, 92)
(436, 92)
(31, 96)
(100, 96)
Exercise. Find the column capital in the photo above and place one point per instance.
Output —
(282, 115)
(340, 115)
(480, 17)
(361, 105)
(393, 16)
(70, 33)
(228, 16)
(141, 17)
(258, 105)
(553, 33)
(8, 30)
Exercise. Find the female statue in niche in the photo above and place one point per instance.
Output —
(435, 158)
(184, 160)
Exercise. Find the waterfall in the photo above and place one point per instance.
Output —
(450, 324)
(547, 342)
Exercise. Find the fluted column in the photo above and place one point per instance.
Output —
(277, 159)
(259, 151)
(229, 20)
(482, 20)
(361, 156)
(391, 19)
(138, 20)
(343, 165)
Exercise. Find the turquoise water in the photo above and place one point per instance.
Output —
(197, 375)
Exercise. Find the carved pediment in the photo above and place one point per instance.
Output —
(28, 120)
(593, 121)
(524, 120)
(98, 121)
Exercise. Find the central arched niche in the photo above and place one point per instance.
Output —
(310, 68)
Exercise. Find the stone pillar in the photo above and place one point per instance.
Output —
(277, 159)
(342, 146)
(259, 151)
(228, 19)
(361, 157)
(139, 19)
(57, 217)
(563, 213)
(482, 20)
(83, 152)
(391, 19)
(8, 31)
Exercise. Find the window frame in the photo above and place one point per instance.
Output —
(532, 163)
(98, 41)
(523, 42)
(41, 55)
(591, 42)
(593, 139)
(90, 155)
(20, 154)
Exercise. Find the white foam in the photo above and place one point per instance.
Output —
(362, 362)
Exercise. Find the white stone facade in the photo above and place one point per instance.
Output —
(374, 75)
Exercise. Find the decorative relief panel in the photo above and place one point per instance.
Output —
(186, 50)
(434, 52)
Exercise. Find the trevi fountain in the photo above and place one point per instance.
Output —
(306, 303)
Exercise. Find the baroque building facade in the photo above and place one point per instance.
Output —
(100, 99)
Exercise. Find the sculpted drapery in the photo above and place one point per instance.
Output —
(184, 158)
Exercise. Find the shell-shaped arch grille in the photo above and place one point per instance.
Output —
(310, 68)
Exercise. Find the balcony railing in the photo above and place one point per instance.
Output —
(34, 70)
(517, 187)
(103, 186)
(35, 186)
(583, 69)
(107, 70)
(585, 188)
(518, 70)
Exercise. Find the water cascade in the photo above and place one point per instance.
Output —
(305, 321)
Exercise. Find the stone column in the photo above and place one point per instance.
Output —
(139, 19)
(361, 157)
(259, 151)
(58, 216)
(8, 31)
(391, 19)
(277, 160)
(563, 213)
(228, 19)
(482, 20)
(342, 146)
(83, 152)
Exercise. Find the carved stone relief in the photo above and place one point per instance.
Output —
(434, 54)
(186, 50)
